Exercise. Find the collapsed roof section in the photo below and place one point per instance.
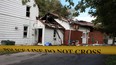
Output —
(49, 21)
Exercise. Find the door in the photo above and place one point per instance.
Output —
(85, 38)
(40, 36)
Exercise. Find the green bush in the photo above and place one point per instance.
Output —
(7, 42)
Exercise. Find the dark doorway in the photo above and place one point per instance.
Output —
(39, 35)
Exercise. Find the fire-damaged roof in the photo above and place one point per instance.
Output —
(49, 21)
(83, 23)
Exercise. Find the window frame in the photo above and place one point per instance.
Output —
(28, 11)
(54, 34)
(25, 31)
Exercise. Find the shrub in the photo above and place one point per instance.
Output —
(7, 42)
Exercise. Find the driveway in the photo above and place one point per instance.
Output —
(27, 58)
(17, 57)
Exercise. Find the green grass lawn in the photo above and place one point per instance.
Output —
(111, 60)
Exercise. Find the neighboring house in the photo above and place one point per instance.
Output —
(80, 31)
(73, 31)
(18, 21)
(85, 28)
(87, 33)
(50, 31)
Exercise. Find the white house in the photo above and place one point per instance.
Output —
(71, 26)
(18, 22)
(49, 31)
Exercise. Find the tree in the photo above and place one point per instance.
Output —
(103, 10)
(52, 6)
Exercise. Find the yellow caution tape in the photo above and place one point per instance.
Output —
(62, 49)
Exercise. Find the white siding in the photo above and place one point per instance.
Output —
(13, 14)
(39, 25)
(49, 37)
(58, 41)
(84, 29)
(85, 35)
(15, 8)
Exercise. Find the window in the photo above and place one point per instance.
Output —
(28, 11)
(75, 27)
(54, 35)
(25, 31)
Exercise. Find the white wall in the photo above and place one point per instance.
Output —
(83, 29)
(49, 37)
(85, 35)
(39, 24)
(15, 8)
(13, 14)
(61, 35)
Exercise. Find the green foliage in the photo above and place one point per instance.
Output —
(24, 1)
(70, 2)
(103, 10)
(111, 60)
(52, 6)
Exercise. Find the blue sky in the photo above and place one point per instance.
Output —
(83, 16)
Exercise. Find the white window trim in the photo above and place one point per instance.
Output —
(28, 11)
(27, 31)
